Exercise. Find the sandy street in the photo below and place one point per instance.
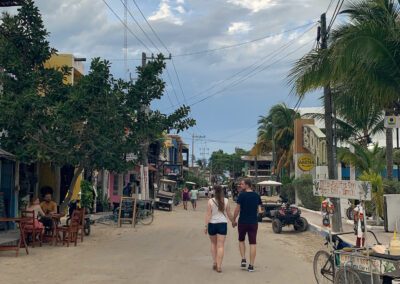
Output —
(173, 249)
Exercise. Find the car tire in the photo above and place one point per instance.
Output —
(277, 226)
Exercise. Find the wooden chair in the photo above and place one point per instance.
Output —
(81, 227)
(69, 233)
(30, 227)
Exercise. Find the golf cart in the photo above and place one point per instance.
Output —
(164, 198)
(270, 204)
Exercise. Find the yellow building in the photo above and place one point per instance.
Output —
(49, 174)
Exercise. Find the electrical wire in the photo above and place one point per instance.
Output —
(259, 64)
(122, 22)
(140, 27)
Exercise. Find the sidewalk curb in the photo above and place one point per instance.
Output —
(349, 222)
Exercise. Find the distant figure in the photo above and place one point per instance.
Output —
(218, 209)
(193, 197)
(248, 204)
(49, 207)
(185, 197)
(206, 191)
(127, 190)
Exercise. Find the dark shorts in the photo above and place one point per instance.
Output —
(193, 200)
(186, 199)
(250, 230)
(218, 228)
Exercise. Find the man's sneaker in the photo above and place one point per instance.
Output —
(243, 264)
(250, 268)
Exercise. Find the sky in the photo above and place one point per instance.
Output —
(230, 58)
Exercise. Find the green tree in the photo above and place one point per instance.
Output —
(363, 56)
(279, 125)
(364, 159)
(92, 124)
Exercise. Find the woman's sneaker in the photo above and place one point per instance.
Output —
(243, 264)
(250, 268)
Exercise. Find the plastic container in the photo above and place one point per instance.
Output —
(394, 247)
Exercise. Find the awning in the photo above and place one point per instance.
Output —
(269, 182)
(151, 168)
(167, 181)
(6, 155)
(192, 183)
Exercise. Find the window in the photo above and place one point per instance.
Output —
(116, 185)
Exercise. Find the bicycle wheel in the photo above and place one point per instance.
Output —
(146, 216)
(347, 276)
(323, 267)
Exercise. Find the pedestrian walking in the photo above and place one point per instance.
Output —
(185, 197)
(206, 191)
(127, 190)
(248, 205)
(218, 209)
(193, 197)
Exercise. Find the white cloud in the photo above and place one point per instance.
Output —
(165, 13)
(254, 5)
(180, 9)
(239, 28)
(180, 1)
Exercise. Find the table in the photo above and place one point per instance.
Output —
(56, 221)
(21, 238)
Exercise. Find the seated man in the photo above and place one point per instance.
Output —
(48, 207)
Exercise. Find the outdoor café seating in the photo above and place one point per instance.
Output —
(30, 228)
(70, 231)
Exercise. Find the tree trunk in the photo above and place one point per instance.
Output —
(71, 189)
(389, 153)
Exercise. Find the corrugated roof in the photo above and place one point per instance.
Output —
(9, 3)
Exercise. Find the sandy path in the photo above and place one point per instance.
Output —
(173, 249)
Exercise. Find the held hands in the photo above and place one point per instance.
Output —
(234, 224)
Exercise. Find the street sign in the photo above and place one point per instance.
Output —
(350, 189)
(392, 121)
(131, 157)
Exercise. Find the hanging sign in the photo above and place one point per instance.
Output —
(306, 162)
(350, 189)
(392, 121)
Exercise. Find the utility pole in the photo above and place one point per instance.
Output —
(193, 138)
(126, 40)
(337, 217)
(146, 142)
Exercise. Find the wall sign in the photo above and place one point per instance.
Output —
(306, 162)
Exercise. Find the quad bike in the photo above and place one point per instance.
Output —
(288, 215)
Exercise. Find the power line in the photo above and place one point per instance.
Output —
(126, 26)
(243, 43)
(245, 77)
(140, 27)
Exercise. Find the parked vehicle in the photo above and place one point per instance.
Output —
(73, 205)
(164, 199)
(269, 207)
(288, 215)
(202, 192)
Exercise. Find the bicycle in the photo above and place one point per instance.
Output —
(144, 215)
(109, 220)
(324, 262)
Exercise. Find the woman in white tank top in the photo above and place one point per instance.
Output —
(218, 212)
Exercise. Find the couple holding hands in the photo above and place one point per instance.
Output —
(218, 213)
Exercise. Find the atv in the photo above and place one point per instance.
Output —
(288, 215)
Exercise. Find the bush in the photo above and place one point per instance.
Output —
(391, 187)
(304, 186)
(288, 189)
(86, 194)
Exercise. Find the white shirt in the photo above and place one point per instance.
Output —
(216, 215)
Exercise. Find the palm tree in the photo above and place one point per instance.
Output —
(278, 128)
(364, 159)
(357, 119)
(362, 57)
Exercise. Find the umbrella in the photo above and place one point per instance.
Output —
(269, 182)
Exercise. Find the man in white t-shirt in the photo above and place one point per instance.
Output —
(193, 197)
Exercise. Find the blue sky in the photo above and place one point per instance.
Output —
(228, 118)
